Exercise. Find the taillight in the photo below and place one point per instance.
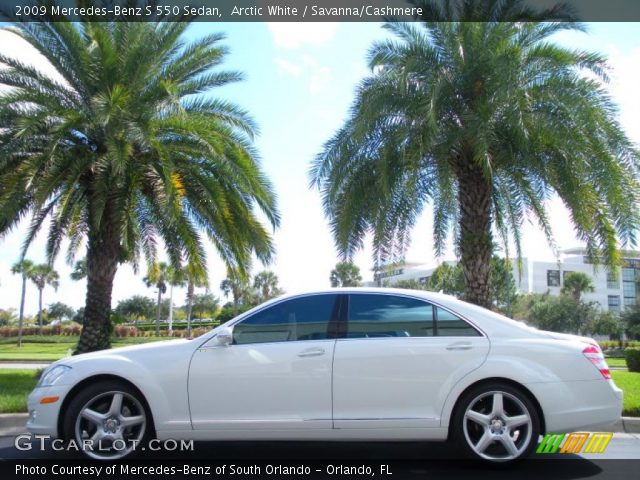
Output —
(594, 354)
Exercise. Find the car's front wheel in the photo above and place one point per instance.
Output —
(107, 420)
(496, 422)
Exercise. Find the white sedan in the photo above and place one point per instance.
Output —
(342, 364)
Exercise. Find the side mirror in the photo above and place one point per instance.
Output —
(225, 336)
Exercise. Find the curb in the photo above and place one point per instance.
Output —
(14, 423)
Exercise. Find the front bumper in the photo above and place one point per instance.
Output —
(43, 418)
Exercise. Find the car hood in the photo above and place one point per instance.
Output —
(127, 352)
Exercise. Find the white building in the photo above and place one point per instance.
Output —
(539, 276)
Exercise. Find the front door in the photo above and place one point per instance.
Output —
(275, 375)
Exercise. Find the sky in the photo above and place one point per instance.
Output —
(299, 85)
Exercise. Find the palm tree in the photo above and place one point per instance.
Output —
(42, 275)
(157, 276)
(237, 287)
(175, 278)
(346, 274)
(577, 283)
(124, 154)
(484, 121)
(195, 277)
(79, 270)
(23, 267)
(266, 284)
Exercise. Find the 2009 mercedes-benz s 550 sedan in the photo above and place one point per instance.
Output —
(344, 364)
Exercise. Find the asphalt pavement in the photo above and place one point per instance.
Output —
(404, 460)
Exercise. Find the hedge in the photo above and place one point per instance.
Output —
(632, 356)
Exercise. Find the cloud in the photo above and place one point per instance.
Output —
(287, 67)
(319, 80)
(292, 35)
(624, 88)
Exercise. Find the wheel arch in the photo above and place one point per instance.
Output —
(77, 388)
(507, 381)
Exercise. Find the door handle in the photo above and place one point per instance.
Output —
(312, 352)
(459, 346)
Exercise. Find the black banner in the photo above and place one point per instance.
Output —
(548, 468)
(318, 10)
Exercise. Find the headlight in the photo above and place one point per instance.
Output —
(52, 375)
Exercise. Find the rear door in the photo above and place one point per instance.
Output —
(398, 360)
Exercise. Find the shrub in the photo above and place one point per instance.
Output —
(633, 359)
(122, 331)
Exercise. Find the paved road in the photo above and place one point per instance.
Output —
(411, 460)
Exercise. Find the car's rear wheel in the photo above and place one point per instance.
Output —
(108, 421)
(496, 422)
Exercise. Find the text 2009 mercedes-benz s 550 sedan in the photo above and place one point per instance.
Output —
(344, 364)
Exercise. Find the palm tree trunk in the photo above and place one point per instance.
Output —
(158, 311)
(475, 242)
(21, 319)
(170, 308)
(190, 289)
(102, 263)
(40, 310)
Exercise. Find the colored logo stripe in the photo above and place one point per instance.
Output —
(573, 442)
(551, 442)
(598, 442)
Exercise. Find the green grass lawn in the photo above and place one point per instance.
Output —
(15, 385)
(54, 348)
(630, 383)
(616, 362)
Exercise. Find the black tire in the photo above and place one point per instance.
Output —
(480, 431)
(100, 398)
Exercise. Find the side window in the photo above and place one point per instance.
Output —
(388, 316)
(304, 318)
(451, 326)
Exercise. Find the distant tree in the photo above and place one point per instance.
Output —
(411, 284)
(447, 279)
(631, 321)
(79, 315)
(205, 305)
(577, 283)
(157, 276)
(176, 277)
(42, 275)
(60, 311)
(195, 276)
(607, 323)
(7, 317)
(23, 268)
(238, 288)
(345, 274)
(266, 286)
(503, 286)
(562, 314)
(137, 307)
(79, 270)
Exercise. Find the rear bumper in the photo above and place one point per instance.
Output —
(580, 405)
